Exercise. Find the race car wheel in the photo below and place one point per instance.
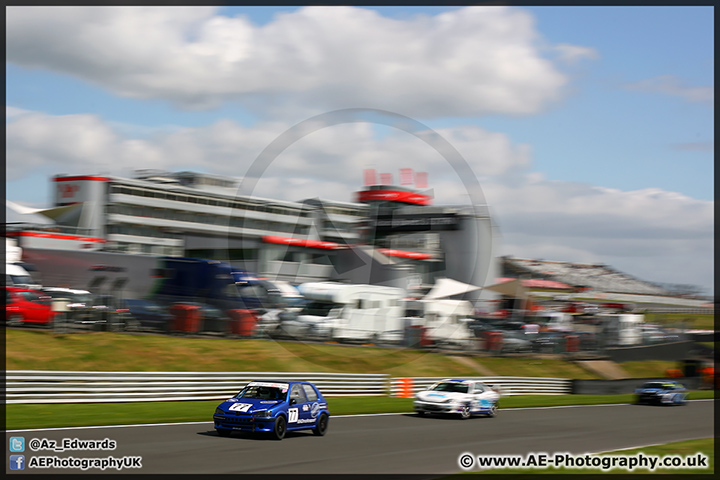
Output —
(465, 412)
(15, 320)
(280, 428)
(493, 410)
(322, 425)
(223, 432)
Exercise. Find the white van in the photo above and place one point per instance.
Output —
(15, 273)
(554, 321)
(347, 312)
(17, 276)
(622, 328)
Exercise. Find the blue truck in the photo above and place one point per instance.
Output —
(211, 282)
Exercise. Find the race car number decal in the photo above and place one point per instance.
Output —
(292, 415)
(240, 407)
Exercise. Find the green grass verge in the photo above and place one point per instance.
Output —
(649, 368)
(21, 416)
(695, 321)
(687, 449)
(102, 351)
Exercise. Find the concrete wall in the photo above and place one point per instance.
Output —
(674, 351)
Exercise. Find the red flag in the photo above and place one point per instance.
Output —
(386, 179)
(406, 176)
(421, 180)
(370, 177)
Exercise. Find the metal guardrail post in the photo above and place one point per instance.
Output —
(61, 319)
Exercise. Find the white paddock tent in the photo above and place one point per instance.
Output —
(447, 288)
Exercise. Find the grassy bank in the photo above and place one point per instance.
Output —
(102, 351)
(695, 321)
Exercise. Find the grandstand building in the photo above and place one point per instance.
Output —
(390, 235)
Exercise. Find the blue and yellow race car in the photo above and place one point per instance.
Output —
(661, 392)
(273, 407)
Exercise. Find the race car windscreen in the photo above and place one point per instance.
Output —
(264, 391)
(450, 387)
(654, 385)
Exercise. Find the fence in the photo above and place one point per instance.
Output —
(25, 386)
(32, 386)
(407, 387)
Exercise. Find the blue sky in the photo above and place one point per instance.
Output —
(558, 111)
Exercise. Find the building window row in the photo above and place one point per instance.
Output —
(145, 249)
(138, 231)
(206, 218)
(211, 201)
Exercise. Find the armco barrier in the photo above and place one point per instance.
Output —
(506, 385)
(32, 386)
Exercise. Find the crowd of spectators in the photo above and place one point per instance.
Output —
(597, 277)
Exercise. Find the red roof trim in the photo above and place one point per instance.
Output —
(56, 236)
(393, 196)
(537, 283)
(82, 178)
(404, 254)
(301, 242)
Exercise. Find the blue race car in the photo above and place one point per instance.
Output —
(661, 392)
(273, 407)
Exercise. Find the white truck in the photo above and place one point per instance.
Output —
(15, 274)
(554, 321)
(352, 313)
(622, 329)
(446, 321)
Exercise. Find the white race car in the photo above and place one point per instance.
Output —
(463, 397)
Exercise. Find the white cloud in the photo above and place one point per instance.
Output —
(472, 61)
(695, 146)
(575, 53)
(672, 85)
(37, 140)
(12, 112)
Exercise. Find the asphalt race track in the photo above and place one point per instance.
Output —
(396, 443)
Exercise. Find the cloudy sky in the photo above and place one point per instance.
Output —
(589, 129)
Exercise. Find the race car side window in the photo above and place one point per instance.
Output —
(310, 392)
(297, 393)
(479, 388)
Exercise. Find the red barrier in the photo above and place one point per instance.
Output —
(492, 341)
(242, 322)
(186, 318)
(572, 343)
(425, 340)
